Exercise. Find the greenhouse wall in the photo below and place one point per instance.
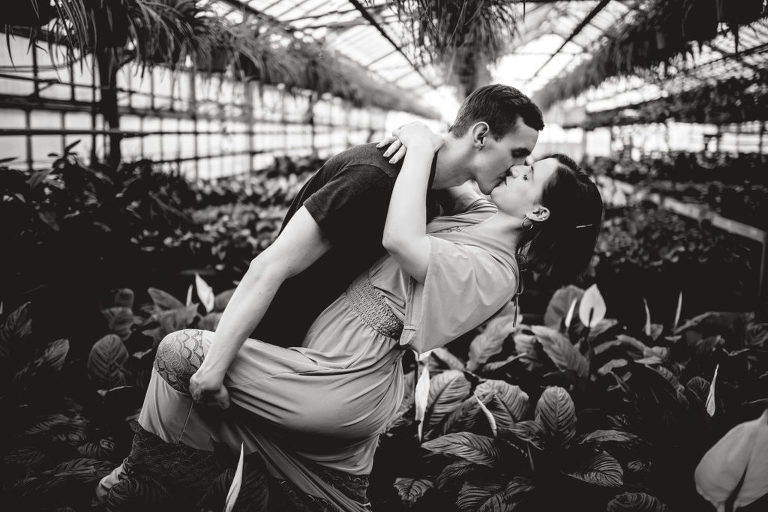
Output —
(207, 125)
(656, 137)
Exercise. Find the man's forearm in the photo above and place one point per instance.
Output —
(245, 310)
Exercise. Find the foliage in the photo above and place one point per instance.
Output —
(136, 224)
(74, 413)
(170, 32)
(645, 252)
(613, 436)
(463, 37)
(662, 33)
(734, 100)
(734, 186)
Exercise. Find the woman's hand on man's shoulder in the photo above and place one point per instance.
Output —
(412, 135)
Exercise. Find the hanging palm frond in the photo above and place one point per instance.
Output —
(462, 37)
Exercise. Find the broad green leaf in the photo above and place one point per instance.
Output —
(525, 343)
(526, 432)
(205, 292)
(560, 349)
(221, 300)
(16, 328)
(455, 474)
(608, 436)
(102, 449)
(119, 321)
(506, 498)
(637, 501)
(612, 365)
(635, 348)
(164, 301)
(174, 320)
(468, 446)
(511, 403)
(757, 336)
(497, 366)
(105, 362)
(556, 413)
(601, 327)
(234, 489)
(448, 359)
(58, 428)
(446, 391)
(412, 490)
(699, 389)
(25, 456)
(563, 301)
(602, 470)
(592, 307)
(472, 496)
(421, 398)
(649, 360)
(462, 419)
(51, 361)
(68, 147)
(38, 177)
(490, 342)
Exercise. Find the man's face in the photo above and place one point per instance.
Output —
(491, 163)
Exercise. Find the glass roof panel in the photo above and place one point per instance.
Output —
(530, 64)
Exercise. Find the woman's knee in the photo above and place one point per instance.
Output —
(179, 355)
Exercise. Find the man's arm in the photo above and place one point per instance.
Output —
(299, 245)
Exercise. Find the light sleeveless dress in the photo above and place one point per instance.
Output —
(324, 404)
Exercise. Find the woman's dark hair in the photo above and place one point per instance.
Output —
(500, 106)
(563, 245)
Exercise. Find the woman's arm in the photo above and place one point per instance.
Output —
(299, 245)
(405, 231)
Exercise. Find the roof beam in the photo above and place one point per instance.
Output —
(576, 31)
(288, 28)
(381, 30)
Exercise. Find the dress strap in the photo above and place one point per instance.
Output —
(372, 308)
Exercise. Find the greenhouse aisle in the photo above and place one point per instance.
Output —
(151, 151)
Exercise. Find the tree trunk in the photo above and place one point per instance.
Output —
(108, 60)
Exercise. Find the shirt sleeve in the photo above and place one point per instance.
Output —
(355, 193)
(464, 287)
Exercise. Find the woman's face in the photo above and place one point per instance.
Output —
(521, 191)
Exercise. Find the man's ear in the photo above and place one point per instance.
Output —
(480, 132)
(538, 214)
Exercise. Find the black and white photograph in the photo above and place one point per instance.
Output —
(384, 256)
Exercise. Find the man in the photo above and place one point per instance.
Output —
(333, 229)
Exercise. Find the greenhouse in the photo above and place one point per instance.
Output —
(356, 255)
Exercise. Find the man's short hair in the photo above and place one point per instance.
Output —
(500, 106)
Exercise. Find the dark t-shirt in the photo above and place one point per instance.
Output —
(348, 197)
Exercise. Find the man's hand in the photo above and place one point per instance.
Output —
(208, 390)
(410, 135)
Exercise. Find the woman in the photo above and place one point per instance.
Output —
(314, 413)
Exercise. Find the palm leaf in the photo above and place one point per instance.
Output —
(468, 446)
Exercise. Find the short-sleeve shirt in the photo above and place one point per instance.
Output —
(348, 197)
